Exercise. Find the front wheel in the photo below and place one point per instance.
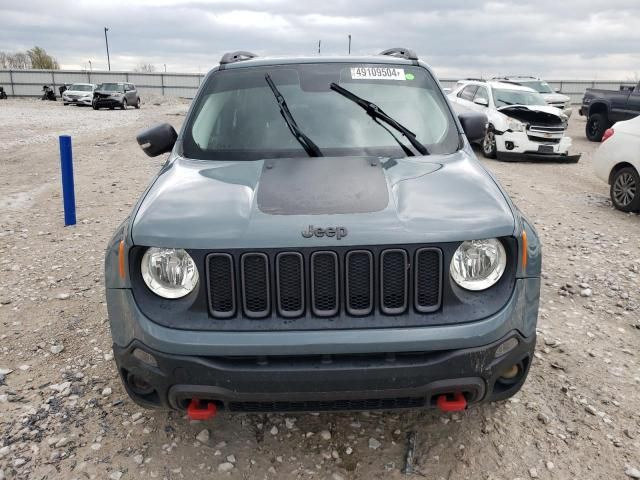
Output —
(137, 105)
(597, 123)
(489, 147)
(124, 104)
(625, 190)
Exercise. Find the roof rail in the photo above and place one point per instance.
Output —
(400, 52)
(238, 56)
(472, 79)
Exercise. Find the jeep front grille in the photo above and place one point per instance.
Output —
(323, 283)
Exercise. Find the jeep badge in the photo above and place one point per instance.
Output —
(338, 232)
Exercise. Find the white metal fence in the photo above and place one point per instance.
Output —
(30, 82)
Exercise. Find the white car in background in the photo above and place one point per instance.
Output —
(551, 96)
(521, 126)
(617, 162)
(79, 94)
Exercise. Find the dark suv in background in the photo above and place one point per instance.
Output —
(112, 95)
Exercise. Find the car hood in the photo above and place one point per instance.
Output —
(77, 92)
(269, 203)
(555, 97)
(540, 114)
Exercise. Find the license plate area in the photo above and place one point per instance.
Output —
(545, 149)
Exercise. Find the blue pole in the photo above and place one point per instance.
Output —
(68, 194)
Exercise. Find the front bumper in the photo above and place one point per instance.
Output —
(77, 101)
(107, 102)
(517, 146)
(346, 369)
(323, 382)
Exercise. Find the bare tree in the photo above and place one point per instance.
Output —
(37, 57)
(42, 60)
(145, 68)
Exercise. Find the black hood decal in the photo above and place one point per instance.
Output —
(323, 185)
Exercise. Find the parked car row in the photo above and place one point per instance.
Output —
(521, 124)
(107, 95)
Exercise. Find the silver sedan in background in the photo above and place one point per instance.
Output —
(79, 94)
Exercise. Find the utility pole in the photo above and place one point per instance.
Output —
(349, 44)
(90, 66)
(106, 41)
(319, 41)
(165, 68)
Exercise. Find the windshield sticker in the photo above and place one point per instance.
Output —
(377, 73)
(409, 76)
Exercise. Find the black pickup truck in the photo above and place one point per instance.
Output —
(603, 108)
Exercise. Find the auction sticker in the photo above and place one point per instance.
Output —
(377, 73)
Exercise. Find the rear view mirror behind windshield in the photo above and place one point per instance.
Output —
(157, 140)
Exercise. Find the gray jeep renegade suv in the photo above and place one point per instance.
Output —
(322, 237)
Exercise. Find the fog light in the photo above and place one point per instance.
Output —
(506, 347)
(511, 372)
(139, 385)
(511, 375)
(145, 357)
(509, 145)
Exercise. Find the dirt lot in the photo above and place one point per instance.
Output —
(64, 414)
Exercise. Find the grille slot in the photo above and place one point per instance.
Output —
(428, 280)
(359, 282)
(255, 284)
(324, 284)
(290, 284)
(393, 281)
(221, 284)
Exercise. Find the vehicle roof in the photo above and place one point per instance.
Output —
(266, 61)
(523, 78)
(498, 84)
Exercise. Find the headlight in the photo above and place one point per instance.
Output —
(515, 126)
(169, 272)
(478, 264)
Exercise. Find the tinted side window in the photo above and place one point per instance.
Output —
(482, 93)
(468, 92)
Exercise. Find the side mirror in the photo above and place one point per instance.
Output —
(481, 101)
(157, 140)
(474, 125)
(557, 90)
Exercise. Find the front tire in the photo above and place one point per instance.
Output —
(597, 123)
(137, 105)
(65, 103)
(625, 190)
(489, 146)
(124, 104)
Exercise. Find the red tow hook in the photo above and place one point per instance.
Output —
(457, 404)
(206, 411)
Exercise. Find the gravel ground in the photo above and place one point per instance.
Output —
(64, 414)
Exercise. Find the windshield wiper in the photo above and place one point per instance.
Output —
(308, 145)
(376, 113)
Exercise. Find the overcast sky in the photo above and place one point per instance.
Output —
(552, 38)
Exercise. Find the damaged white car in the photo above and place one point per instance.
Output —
(521, 124)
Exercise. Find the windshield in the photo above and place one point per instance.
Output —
(237, 117)
(80, 87)
(503, 97)
(538, 85)
(112, 87)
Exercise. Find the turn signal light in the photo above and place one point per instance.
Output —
(121, 258)
(524, 249)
